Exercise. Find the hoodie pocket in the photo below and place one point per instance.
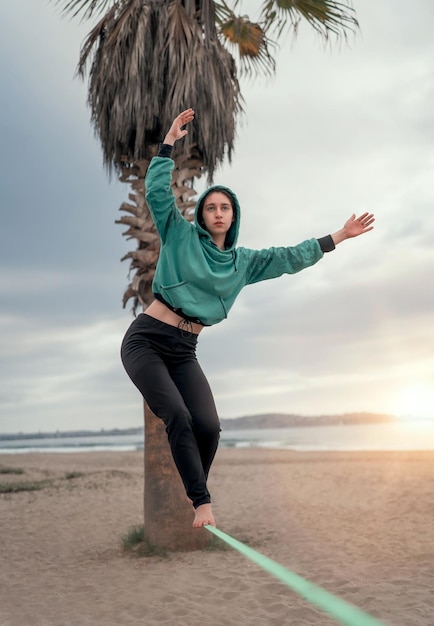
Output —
(195, 301)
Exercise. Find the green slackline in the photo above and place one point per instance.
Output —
(340, 610)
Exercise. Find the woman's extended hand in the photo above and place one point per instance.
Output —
(354, 227)
(176, 132)
(357, 226)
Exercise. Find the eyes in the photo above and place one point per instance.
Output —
(210, 208)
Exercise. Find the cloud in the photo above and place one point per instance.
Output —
(339, 129)
(65, 378)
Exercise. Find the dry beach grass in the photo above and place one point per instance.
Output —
(360, 524)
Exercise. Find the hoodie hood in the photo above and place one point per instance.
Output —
(232, 234)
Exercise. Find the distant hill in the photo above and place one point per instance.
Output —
(263, 420)
(284, 420)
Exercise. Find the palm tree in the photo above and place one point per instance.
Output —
(150, 59)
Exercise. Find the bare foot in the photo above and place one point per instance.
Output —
(203, 516)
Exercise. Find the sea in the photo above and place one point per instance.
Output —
(410, 434)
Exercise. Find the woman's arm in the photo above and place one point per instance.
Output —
(159, 194)
(273, 262)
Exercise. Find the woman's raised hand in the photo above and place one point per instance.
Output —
(176, 132)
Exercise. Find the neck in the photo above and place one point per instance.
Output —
(219, 241)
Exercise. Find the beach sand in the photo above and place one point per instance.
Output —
(360, 524)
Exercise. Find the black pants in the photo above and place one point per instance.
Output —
(161, 361)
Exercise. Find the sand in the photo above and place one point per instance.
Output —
(359, 524)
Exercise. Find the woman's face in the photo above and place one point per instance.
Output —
(217, 214)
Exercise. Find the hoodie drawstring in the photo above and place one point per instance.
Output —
(234, 259)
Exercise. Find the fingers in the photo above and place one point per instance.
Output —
(366, 219)
(176, 131)
(186, 116)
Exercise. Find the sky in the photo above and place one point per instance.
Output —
(338, 129)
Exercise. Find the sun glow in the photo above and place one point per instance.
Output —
(415, 401)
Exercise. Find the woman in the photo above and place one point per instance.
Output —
(199, 274)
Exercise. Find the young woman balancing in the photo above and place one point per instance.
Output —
(199, 274)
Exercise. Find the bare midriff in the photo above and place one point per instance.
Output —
(160, 312)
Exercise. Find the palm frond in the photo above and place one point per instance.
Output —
(148, 61)
(92, 40)
(250, 43)
(327, 17)
(247, 40)
(88, 8)
(206, 79)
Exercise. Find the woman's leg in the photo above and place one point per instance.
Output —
(196, 393)
(151, 358)
(195, 390)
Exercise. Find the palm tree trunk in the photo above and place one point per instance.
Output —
(168, 513)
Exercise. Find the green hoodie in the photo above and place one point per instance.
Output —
(192, 273)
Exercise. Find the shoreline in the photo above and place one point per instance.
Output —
(359, 524)
(344, 437)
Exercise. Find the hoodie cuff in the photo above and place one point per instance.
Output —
(326, 243)
(165, 150)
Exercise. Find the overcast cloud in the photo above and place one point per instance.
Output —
(338, 129)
